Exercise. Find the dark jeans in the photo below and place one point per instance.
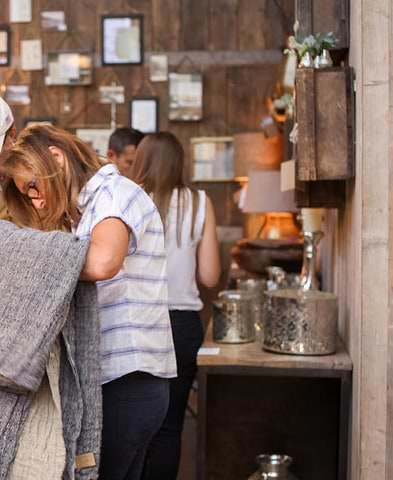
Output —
(134, 408)
(163, 455)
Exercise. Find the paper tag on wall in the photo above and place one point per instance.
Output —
(288, 175)
(31, 55)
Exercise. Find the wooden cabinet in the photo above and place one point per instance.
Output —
(324, 114)
(253, 402)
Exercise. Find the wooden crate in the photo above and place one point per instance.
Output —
(324, 113)
(314, 16)
(320, 194)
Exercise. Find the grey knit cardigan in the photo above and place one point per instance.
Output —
(40, 299)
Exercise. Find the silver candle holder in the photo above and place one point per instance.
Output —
(308, 276)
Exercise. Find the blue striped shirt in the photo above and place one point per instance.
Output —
(135, 325)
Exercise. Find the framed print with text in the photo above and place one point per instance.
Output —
(5, 46)
(144, 114)
(122, 39)
(185, 96)
(69, 68)
(97, 138)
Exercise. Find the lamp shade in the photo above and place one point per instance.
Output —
(254, 151)
(264, 193)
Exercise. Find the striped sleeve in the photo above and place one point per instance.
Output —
(120, 198)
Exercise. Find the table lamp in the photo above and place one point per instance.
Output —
(264, 195)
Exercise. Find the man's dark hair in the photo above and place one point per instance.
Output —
(122, 137)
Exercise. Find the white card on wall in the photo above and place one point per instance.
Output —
(31, 55)
(21, 11)
(288, 175)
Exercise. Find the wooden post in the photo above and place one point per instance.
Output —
(364, 262)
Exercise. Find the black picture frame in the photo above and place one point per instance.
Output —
(27, 121)
(151, 122)
(108, 57)
(5, 57)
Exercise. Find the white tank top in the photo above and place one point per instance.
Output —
(181, 259)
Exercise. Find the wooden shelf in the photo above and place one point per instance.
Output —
(252, 355)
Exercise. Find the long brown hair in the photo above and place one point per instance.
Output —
(159, 168)
(62, 185)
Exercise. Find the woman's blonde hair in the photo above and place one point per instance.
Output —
(158, 167)
(62, 184)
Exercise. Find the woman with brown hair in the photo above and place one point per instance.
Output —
(192, 255)
(54, 181)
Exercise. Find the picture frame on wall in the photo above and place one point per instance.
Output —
(18, 95)
(69, 68)
(29, 121)
(185, 97)
(144, 114)
(5, 46)
(54, 20)
(122, 40)
(97, 138)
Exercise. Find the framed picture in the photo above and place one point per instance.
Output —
(97, 138)
(158, 68)
(29, 121)
(69, 68)
(212, 158)
(17, 95)
(144, 114)
(5, 46)
(122, 39)
(112, 94)
(53, 20)
(185, 96)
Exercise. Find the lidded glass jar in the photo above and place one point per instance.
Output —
(234, 316)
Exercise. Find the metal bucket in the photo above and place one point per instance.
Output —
(300, 322)
(234, 317)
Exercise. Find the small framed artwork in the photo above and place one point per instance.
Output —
(53, 20)
(212, 158)
(97, 138)
(5, 46)
(112, 94)
(69, 68)
(29, 121)
(144, 114)
(17, 95)
(158, 68)
(185, 96)
(122, 39)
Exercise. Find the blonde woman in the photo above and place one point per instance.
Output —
(192, 253)
(52, 182)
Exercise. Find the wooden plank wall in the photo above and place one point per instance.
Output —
(235, 43)
(364, 262)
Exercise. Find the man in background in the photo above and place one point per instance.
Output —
(122, 146)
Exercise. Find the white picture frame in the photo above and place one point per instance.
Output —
(185, 97)
(97, 138)
(144, 114)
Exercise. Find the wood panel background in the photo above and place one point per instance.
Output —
(236, 44)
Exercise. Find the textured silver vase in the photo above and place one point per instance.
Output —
(234, 316)
(301, 322)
